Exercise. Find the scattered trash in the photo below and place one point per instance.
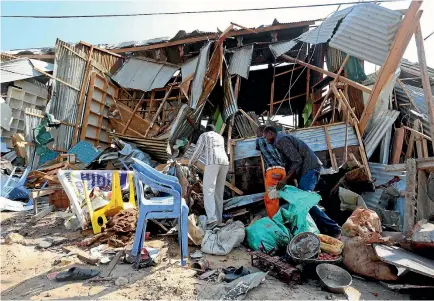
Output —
(46, 243)
(221, 241)
(233, 273)
(196, 254)
(201, 265)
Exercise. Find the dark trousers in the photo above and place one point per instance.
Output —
(324, 223)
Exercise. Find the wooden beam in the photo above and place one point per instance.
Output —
(328, 73)
(132, 115)
(410, 98)
(289, 71)
(424, 163)
(101, 49)
(342, 97)
(213, 36)
(272, 92)
(425, 79)
(85, 121)
(289, 98)
(398, 140)
(307, 85)
(243, 27)
(158, 110)
(329, 146)
(363, 153)
(410, 196)
(417, 132)
(248, 117)
(55, 78)
(393, 60)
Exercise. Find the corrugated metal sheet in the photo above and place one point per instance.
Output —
(283, 47)
(143, 75)
(367, 32)
(325, 30)
(379, 129)
(240, 61)
(412, 70)
(134, 43)
(182, 127)
(381, 177)
(315, 138)
(158, 149)
(189, 67)
(22, 68)
(64, 100)
(245, 149)
(418, 111)
(230, 105)
(199, 75)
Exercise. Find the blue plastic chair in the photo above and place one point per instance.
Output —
(172, 206)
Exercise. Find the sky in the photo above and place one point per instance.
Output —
(36, 33)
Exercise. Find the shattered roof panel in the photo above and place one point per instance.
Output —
(315, 138)
(240, 61)
(325, 30)
(280, 48)
(189, 67)
(134, 43)
(367, 32)
(143, 75)
(199, 75)
(381, 177)
(22, 68)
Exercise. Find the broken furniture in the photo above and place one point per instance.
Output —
(98, 217)
(172, 206)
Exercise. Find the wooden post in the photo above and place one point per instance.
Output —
(330, 88)
(424, 205)
(410, 196)
(393, 60)
(329, 146)
(132, 115)
(398, 140)
(82, 93)
(237, 86)
(160, 108)
(425, 79)
(272, 92)
(307, 85)
(101, 112)
(363, 153)
(329, 73)
(87, 109)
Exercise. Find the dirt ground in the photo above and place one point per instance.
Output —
(24, 270)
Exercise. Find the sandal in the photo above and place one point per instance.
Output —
(76, 273)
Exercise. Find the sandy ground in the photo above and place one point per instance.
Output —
(24, 269)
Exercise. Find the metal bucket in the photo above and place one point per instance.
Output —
(334, 278)
(303, 246)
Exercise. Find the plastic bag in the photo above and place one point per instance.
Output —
(272, 234)
(300, 202)
(222, 241)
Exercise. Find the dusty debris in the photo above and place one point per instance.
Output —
(121, 281)
(14, 238)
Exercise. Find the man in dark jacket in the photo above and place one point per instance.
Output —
(301, 163)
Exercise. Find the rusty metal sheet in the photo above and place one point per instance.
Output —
(245, 149)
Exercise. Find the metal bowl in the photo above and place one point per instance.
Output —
(304, 246)
(334, 278)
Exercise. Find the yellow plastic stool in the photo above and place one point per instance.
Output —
(115, 205)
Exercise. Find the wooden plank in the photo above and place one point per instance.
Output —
(329, 146)
(55, 78)
(159, 110)
(134, 112)
(291, 70)
(393, 60)
(417, 133)
(85, 121)
(328, 73)
(101, 112)
(243, 27)
(410, 196)
(363, 153)
(398, 140)
(248, 117)
(289, 98)
(330, 90)
(106, 272)
(307, 85)
(272, 92)
(82, 255)
(424, 163)
(425, 79)
(347, 104)
(410, 98)
(423, 204)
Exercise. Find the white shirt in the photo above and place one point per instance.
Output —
(212, 145)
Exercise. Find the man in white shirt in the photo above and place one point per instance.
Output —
(212, 145)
